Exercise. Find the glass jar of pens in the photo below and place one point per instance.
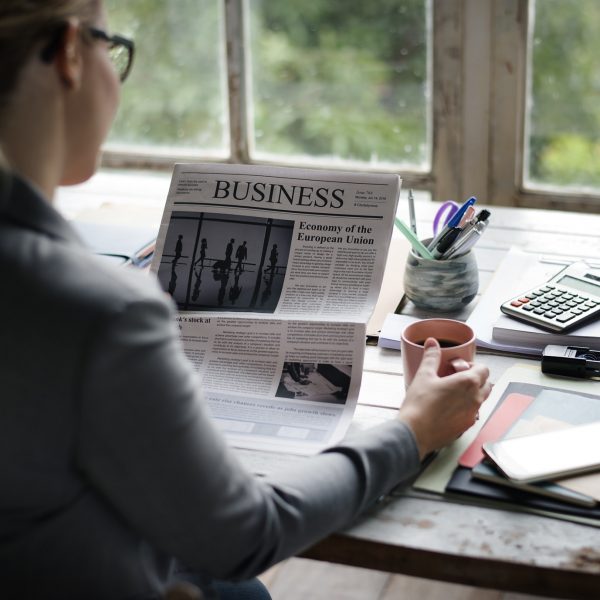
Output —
(441, 272)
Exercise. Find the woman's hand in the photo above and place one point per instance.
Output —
(440, 409)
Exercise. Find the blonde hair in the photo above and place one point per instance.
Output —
(24, 23)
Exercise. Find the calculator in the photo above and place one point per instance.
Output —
(568, 300)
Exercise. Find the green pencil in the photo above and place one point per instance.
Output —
(413, 239)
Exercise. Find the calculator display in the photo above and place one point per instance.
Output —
(582, 286)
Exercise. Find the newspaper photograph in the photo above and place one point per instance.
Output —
(275, 272)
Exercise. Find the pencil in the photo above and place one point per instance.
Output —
(411, 210)
(413, 239)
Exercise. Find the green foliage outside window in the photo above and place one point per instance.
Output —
(335, 78)
(565, 93)
(345, 79)
(341, 78)
(175, 96)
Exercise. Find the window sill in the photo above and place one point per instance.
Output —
(117, 196)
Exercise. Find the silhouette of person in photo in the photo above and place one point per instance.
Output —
(196, 290)
(218, 268)
(268, 288)
(178, 249)
(173, 280)
(273, 259)
(235, 290)
(224, 277)
(241, 253)
(228, 253)
(203, 247)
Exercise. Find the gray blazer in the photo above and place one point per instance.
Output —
(109, 464)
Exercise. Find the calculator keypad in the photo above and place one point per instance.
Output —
(553, 306)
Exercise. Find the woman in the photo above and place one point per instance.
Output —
(110, 465)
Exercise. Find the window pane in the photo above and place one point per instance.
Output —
(341, 79)
(564, 109)
(175, 95)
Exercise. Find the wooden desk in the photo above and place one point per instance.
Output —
(436, 538)
(439, 539)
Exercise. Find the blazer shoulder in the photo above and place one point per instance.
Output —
(53, 272)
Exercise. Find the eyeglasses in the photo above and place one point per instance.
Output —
(120, 49)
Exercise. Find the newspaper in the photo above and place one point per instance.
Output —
(275, 272)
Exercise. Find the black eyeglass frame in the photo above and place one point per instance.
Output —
(114, 41)
(49, 51)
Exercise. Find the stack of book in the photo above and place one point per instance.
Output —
(517, 272)
(526, 409)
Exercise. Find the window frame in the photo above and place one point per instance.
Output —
(501, 179)
(478, 67)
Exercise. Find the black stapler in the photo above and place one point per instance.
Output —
(571, 361)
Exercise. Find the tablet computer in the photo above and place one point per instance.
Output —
(549, 455)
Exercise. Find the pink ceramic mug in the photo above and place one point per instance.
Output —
(456, 339)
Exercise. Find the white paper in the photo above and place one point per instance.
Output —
(518, 271)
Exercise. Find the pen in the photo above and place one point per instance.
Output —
(469, 214)
(466, 244)
(413, 239)
(453, 222)
(411, 210)
(482, 215)
(446, 241)
(466, 241)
